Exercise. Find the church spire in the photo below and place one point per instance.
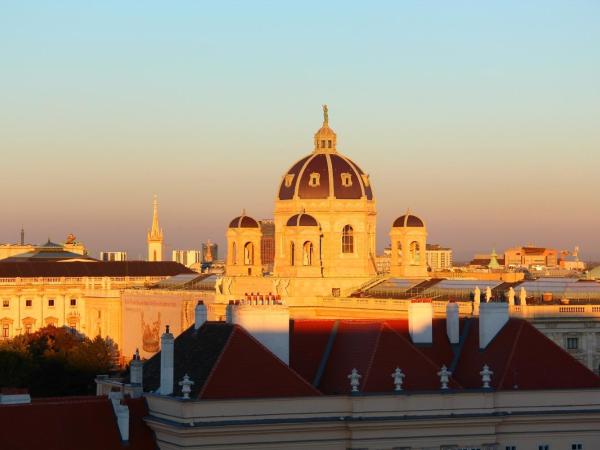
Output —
(155, 236)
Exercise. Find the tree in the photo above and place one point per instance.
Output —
(54, 362)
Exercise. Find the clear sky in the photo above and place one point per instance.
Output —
(482, 117)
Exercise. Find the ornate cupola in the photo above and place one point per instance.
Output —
(325, 137)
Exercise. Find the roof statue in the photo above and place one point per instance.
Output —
(325, 115)
(477, 295)
(398, 377)
(511, 296)
(186, 386)
(488, 294)
(523, 296)
(354, 378)
(444, 375)
(486, 376)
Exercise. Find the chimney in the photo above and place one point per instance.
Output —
(136, 369)
(492, 317)
(167, 351)
(420, 317)
(200, 314)
(122, 413)
(452, 324)
(268, 323)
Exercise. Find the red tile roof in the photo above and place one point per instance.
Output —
(71, 423)
(519, 355)
(91, 269)
(246, 369)
(224, 361)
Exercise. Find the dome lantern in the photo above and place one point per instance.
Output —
(325, 137)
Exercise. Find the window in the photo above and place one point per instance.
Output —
(415, 252)
(510, 447)
(234, 254)
(5, 303)
(348, 239)
(307, 253)
(28, 328)
(5, 330)
(73, 302)
(292, 254)
(572, 343)
(346, 179)
(576, 446)
(51, 303)
(544, 447)
(329, 143)
(335, 292)
(399, 251)
(28, 303)
(249, 254)
(315, 179)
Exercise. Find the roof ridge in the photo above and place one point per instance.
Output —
(511, 354)
(217, 361)
(373, 351)
(241, 329)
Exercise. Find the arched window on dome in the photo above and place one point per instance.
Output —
(249, 253)
(234, 254)
(307, 253)
(292, 254)
(415, 252)
(348, 239)
(399, 251)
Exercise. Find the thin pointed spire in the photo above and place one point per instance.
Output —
(155, 232)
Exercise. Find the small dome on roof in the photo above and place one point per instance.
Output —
(408, 220)
(302, 220)
(243, 221)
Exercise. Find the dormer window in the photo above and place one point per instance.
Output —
(314, 179)
(365, 179)
(346, 179)
(289, 178)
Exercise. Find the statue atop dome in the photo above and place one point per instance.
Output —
(325, 115)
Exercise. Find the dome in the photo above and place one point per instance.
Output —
(408, 220)
(302, 220)
(243, 221)
(325, 173)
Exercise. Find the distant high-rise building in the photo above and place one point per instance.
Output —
(113, 256)
(438, 257)
(155, 237)
(267, 243)
(187, 257)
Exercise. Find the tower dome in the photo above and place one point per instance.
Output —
(243, 221)
(325, 173)
(408, 220)
(302, 220)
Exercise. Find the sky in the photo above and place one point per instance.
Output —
(481, 117)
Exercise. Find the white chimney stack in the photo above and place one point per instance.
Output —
(200, 314)
(452, 324)
(136, 374)
(167, 357)
(268, 323)
(492, 317)
(420, 321)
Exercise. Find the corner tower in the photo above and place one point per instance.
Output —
(155, 237)
(325, 215)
